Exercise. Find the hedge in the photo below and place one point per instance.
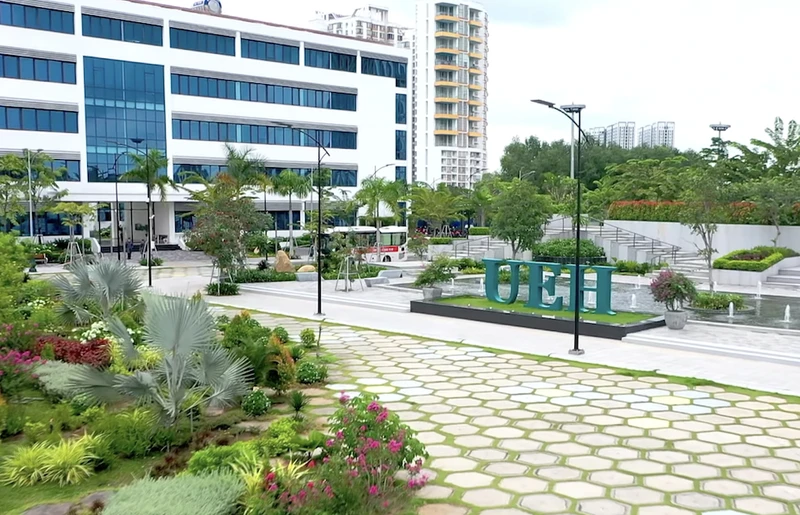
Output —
(670, 211)
(718, 301)
(565, 248)
(262, 276)
(756, 259)
(440, 241)
(479, 231)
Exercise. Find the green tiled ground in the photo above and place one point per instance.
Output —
(510, 435)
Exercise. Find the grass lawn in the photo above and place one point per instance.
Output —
(15, 500)
(622, 317)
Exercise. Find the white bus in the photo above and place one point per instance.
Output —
(363, 240)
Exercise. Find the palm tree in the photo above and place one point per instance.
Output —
(435, 206)
(375, 191)
(263, 185)
(195, 370)
(288, 184)
(147, 169)
(245, 167)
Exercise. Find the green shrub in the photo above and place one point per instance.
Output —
(156, 261)
(565, 248)
(255, 403)
(68, 463)
(632, 267)
(473, 271)
(756, 259)
(468, 263)
(479, 231)
(440, 241)
(211, 494)
(280, 437)
(298, 401)
(36, 432)
(308, 337)
(437, 272)
(718, 301)
(14, 417)
(130, 432)
(222, 289)
(282, 334)
(311, 371)
(241, 330)
(217, 458)
(262, 276)
(25, 466)
(36, 290)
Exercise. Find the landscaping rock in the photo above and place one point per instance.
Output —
(64, 507)
(307, 268)
(391, 274)
(283, 263)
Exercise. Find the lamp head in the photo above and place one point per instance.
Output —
(544, 103)
(573, 108)
(137, 140)
(720, 127)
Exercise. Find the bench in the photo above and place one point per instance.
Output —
(371, 281)
(391, 274)
(40, 259)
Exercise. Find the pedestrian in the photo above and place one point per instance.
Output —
(129, 248)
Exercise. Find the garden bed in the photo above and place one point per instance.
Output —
(482, 310)
(751, 266)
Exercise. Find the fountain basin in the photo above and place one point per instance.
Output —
(746, 309)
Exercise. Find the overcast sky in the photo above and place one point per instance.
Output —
(694, 62)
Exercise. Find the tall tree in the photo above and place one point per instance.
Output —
(73, 214)
(520, 215)
(11, 201)
(435, 206)
(289, 184)
(244, 167)
(778, 157)
(774, 199)
(375, 192)
(150, 169)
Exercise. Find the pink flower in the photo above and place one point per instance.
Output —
(395, 446)
(273, 487)
(339, 435)
(363, 428)
(330, 443)
(374, 406)
(382, 416)
(373, 490)
(271, 477)
(344, 398)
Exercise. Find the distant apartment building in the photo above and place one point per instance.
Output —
(370, 22)
(622, 134)
(658, 134)
(598, 134)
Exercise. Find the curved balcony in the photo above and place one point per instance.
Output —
(476, 87)
(447, 50)
(445, 116)
(475, 23)
(446, 17)
(446, 100)
(474, 134)
(475, 118)
(446, 83)
(476, 71)
(476, 39)
(445, 67)
(446, 34)
(475, 55)
(475, 103)
(445, 132)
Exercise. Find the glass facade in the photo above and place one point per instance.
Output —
(260, 134)
(46, 224)
(40, 120)
(202, 42)
(400, 144)
(256, 92)
(207, 172)
(330, 60)
(38, 18)
(42, 70)
(71, 170)
(400, 174)
(129, 31)
(400, 102)
(281, 218)
(124, 100)
(383, 68)
(270, 52)
(184, 221)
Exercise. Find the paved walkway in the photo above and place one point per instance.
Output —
(511, 435)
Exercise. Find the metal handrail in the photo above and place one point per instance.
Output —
(475, 243)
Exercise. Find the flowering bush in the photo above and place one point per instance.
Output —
(673, 289)
(95, 352)
(358, 471)
(16, 371)
(670, 211)
(20, 336)
(255, 403)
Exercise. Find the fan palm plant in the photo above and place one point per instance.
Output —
(98, 292)
(288, 184)
(195, 371)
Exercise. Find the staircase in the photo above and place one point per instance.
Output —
(479, 248)
(785, 277)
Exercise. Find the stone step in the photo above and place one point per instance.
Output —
(784, 279)
(792, 272)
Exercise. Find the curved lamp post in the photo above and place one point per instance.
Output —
(569, 111)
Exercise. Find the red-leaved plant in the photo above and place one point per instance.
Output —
(673, 289)
(95, 352)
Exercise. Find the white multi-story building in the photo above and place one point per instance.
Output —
(622, 134)
(89, 80)
(370, 22)
(450, 82)
(598, 134)
(659, 134)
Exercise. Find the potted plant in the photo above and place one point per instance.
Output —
(674, 290)
(437, 272)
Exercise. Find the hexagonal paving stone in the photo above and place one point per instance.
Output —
(490, 421)
(448, 418)
(537, 458)
(473, 441)
(663, 510)
(697, 501)
(558, 473)
(459, 429)
(602, 507)
(486, 497)
(504, 432)
(442, 509)
(519, 445)
(668, 483)
(641, 467)
(696, 471)
(669, 457)
(544, 503)
(751, 475)
(454, 464)
(760, 506)
(505, 469)
(434, 492)
(611, 478)
(782, 492)
(596, 440)
(775, 464)
(618, 453)
(579, 490)
(503, 511)
(568, 449)
(549, 436)
(589, 463)
(637, 495)
(468, 479)
(722, 460)
(523, 485)
(745, 450)
(487, 454)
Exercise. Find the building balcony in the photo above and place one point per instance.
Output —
(476, 87)
(476, 23)
(446, 66)
(475, 55)
(445, 132)
(447, 50)
(476, 39)
(446, 100)
(446, 83)
(446, 34)
(446, 116)
(474, 134)
(474, 102)
(476, 71)
(475, 118)
(446, 17)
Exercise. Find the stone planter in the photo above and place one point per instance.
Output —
(676, 319)
(431, 293)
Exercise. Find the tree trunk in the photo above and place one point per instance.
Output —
(291, 229)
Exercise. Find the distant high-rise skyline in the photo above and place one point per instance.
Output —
(623, 134)
(658, 134)
(369, 22)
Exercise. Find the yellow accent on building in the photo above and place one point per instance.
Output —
(476, 71)
(445, 50)
(445, 132)
(475, 23)
(476, 39)
(475, 87)
(446, 116)
(446, 34)
(445, 17)
(475, 103)
(446, 100)
(447, 83)
(475, 55)
(475, 118)
(472, 134)
(450, 67)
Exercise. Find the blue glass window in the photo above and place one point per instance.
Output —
(263, 134)
(383, 68)
(124, 100)
(400, 108)
(132, 32)
(180, 172)
(281, 219)
(184, 221)
(38, 18)
(400, 174)
(270, 52)
(46, 224)
(41, 120)
(330, 60)
(344, 178)
(202, 42)
(43, 70)
(255, 92)
(400, 144)
(70, 169)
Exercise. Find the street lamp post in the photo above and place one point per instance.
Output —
(320, 149)
(570, 111)
(720, 128)
(30, 190)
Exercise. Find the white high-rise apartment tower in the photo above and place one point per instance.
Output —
(622, 134)
(370, 22)
(659, 134)
(449, 82)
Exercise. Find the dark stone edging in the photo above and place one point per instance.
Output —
(531, 321)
